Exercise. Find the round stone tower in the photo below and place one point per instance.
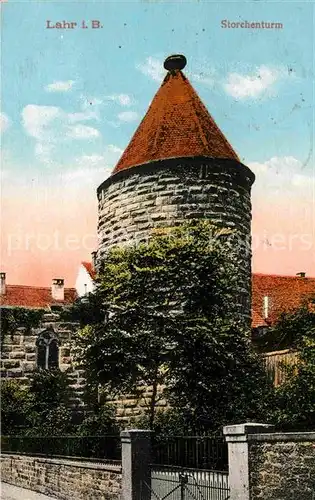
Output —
(178, 166)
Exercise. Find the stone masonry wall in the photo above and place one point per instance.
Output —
(129, 407)
(19, 354)
(62, 479)
(168, 193)
(282, 468)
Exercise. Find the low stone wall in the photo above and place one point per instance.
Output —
(266, 465)
(282, 466)
(62, 478)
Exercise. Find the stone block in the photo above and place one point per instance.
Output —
(140, 219)
(30, 348)
(140, 211)
(28, 366)
(11, 364)
(17, 355)
(6, 347)
(17, 339)
(14, 373)
(31, 339)
(158, 216)
(147, 204)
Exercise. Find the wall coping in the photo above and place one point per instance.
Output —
(66, 462)
(254, 431)
(283, 436)
(241, 430)
(136, 433)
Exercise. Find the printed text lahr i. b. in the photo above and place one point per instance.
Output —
(71, 25)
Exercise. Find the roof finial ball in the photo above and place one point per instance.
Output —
(176, 61)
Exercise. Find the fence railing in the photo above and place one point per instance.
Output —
(89, 447)
(199, 452)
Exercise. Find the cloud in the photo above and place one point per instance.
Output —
(50, 125)
(82, 132)
(83, 116)
(94, 168)
(107, 159)
(202, 72)
(60, 86)
(38, 121)
(254, 85)
(153, 68)
(205, 77)
(43, 151)
(121, 99)
(5, 122)
(282, 175)
(128, 116)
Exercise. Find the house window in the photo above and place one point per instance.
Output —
(47, 350)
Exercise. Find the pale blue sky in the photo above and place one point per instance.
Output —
(106, 62)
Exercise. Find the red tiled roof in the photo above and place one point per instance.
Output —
(177, 124)
(90, 269)
(257, 319)
(34, 297)
(286, 293)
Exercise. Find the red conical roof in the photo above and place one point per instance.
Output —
(177, 124)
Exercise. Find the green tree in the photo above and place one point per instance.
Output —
(294, 406)
(100, 422)
(289, 330)
(41, 408)
(48, 403)
(167, 318)
(14, 406)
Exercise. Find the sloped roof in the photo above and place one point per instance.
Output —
(285, 293)
(177, 124)
(90, 269)
(34, 297)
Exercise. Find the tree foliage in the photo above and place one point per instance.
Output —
(289, 330)
(99, 422)
(14, 399)
(294, 406)
(38, 409)
(167, 316)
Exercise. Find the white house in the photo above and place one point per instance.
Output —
(85, 279)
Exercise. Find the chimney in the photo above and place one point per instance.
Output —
(266, 306)
(94, 257)
(2, 284)
(58, 289)
(302, 274)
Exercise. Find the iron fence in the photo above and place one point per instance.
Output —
(88, 447)
(175, 483)
(199, 452)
